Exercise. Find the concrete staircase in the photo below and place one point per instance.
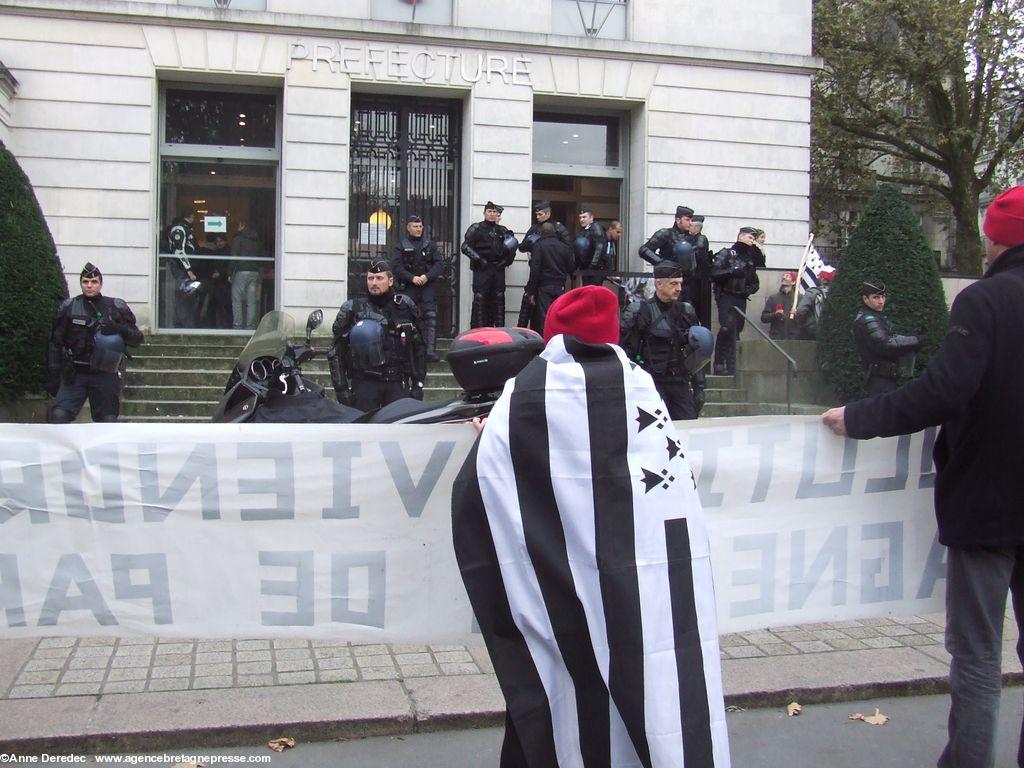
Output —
(177, 377)
(180, 378)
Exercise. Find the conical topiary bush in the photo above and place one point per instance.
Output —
(888, 244)
(32, 287)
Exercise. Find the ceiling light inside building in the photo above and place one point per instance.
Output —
(241, 122)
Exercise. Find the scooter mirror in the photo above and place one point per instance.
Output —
(313, 322)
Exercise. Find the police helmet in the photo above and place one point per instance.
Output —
(189, 287)
(106, 351)
(701, 346)
(366, 344)
(583, 249)
(682, 254)
(509, 246)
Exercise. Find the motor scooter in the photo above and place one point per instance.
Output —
(267, 384)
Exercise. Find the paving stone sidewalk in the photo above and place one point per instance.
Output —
(96, 666)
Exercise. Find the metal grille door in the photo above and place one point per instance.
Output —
(405, 160)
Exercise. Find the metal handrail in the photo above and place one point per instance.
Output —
(791, 369)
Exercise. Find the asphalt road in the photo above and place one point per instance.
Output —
(823, 736)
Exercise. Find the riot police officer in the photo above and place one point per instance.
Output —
(541, 214)
(591, 247)
(491, 248)
(417, 266)
(673, 243)
(880, 348)
(698, 289)
(378, 351)
(182, 242)
(656, 333)
(734, 276)
(552, 263)
(85, 351)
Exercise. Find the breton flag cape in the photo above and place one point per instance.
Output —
(583, 548)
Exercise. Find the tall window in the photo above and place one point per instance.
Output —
(590, 18)
(579, 160)
(217, 237)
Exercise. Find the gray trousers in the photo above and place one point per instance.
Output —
(977, 582)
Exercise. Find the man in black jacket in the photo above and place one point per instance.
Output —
(698, 288)
(972, 388)
(378, 354)
(654, 334)
(88, 340)
(879, 346)
(661, 244)
(417, 267)
(542, 214)
(597, 247)
(734, 275)
(552, 263)
(485, 244)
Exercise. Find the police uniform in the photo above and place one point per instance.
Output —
(734, 275)
(598, 251)
(182, 242)
(414, 256)
(654, 334)
(659, 247)
(83, 365)
(698, 288)
(488, 259)
(404, 368)
(552, 263)
(879, 346)
(533, 233)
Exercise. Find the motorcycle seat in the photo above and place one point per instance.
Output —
(401, 409)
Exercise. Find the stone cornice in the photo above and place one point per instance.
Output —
(8, 83)
(125, 11)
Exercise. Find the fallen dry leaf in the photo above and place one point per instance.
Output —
(793, 709)
(280, 745)
(876, 719)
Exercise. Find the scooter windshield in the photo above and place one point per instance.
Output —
(270, 339)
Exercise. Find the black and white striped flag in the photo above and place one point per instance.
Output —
(583, 548)
(811, 271)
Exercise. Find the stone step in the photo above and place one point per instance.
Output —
(723, 395)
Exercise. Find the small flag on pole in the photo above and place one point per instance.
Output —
(811, 270)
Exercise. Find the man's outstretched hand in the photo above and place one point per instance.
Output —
(835, 419)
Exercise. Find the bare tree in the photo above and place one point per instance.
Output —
(927, 94)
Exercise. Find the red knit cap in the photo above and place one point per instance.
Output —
(590, 313)
(1004, 219)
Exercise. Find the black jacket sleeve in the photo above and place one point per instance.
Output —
(600, 241)
(950, 381)
(124, 323)
(649, 250)
(883, 343)
(435, 263)
(563, 233)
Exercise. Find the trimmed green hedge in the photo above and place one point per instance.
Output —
(32, 283)
(889, 245)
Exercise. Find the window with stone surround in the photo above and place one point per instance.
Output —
(219, 161)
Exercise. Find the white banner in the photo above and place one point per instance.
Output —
(344, 532)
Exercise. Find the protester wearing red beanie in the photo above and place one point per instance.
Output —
(1004, 219)
(969, 388)
(590, 313)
